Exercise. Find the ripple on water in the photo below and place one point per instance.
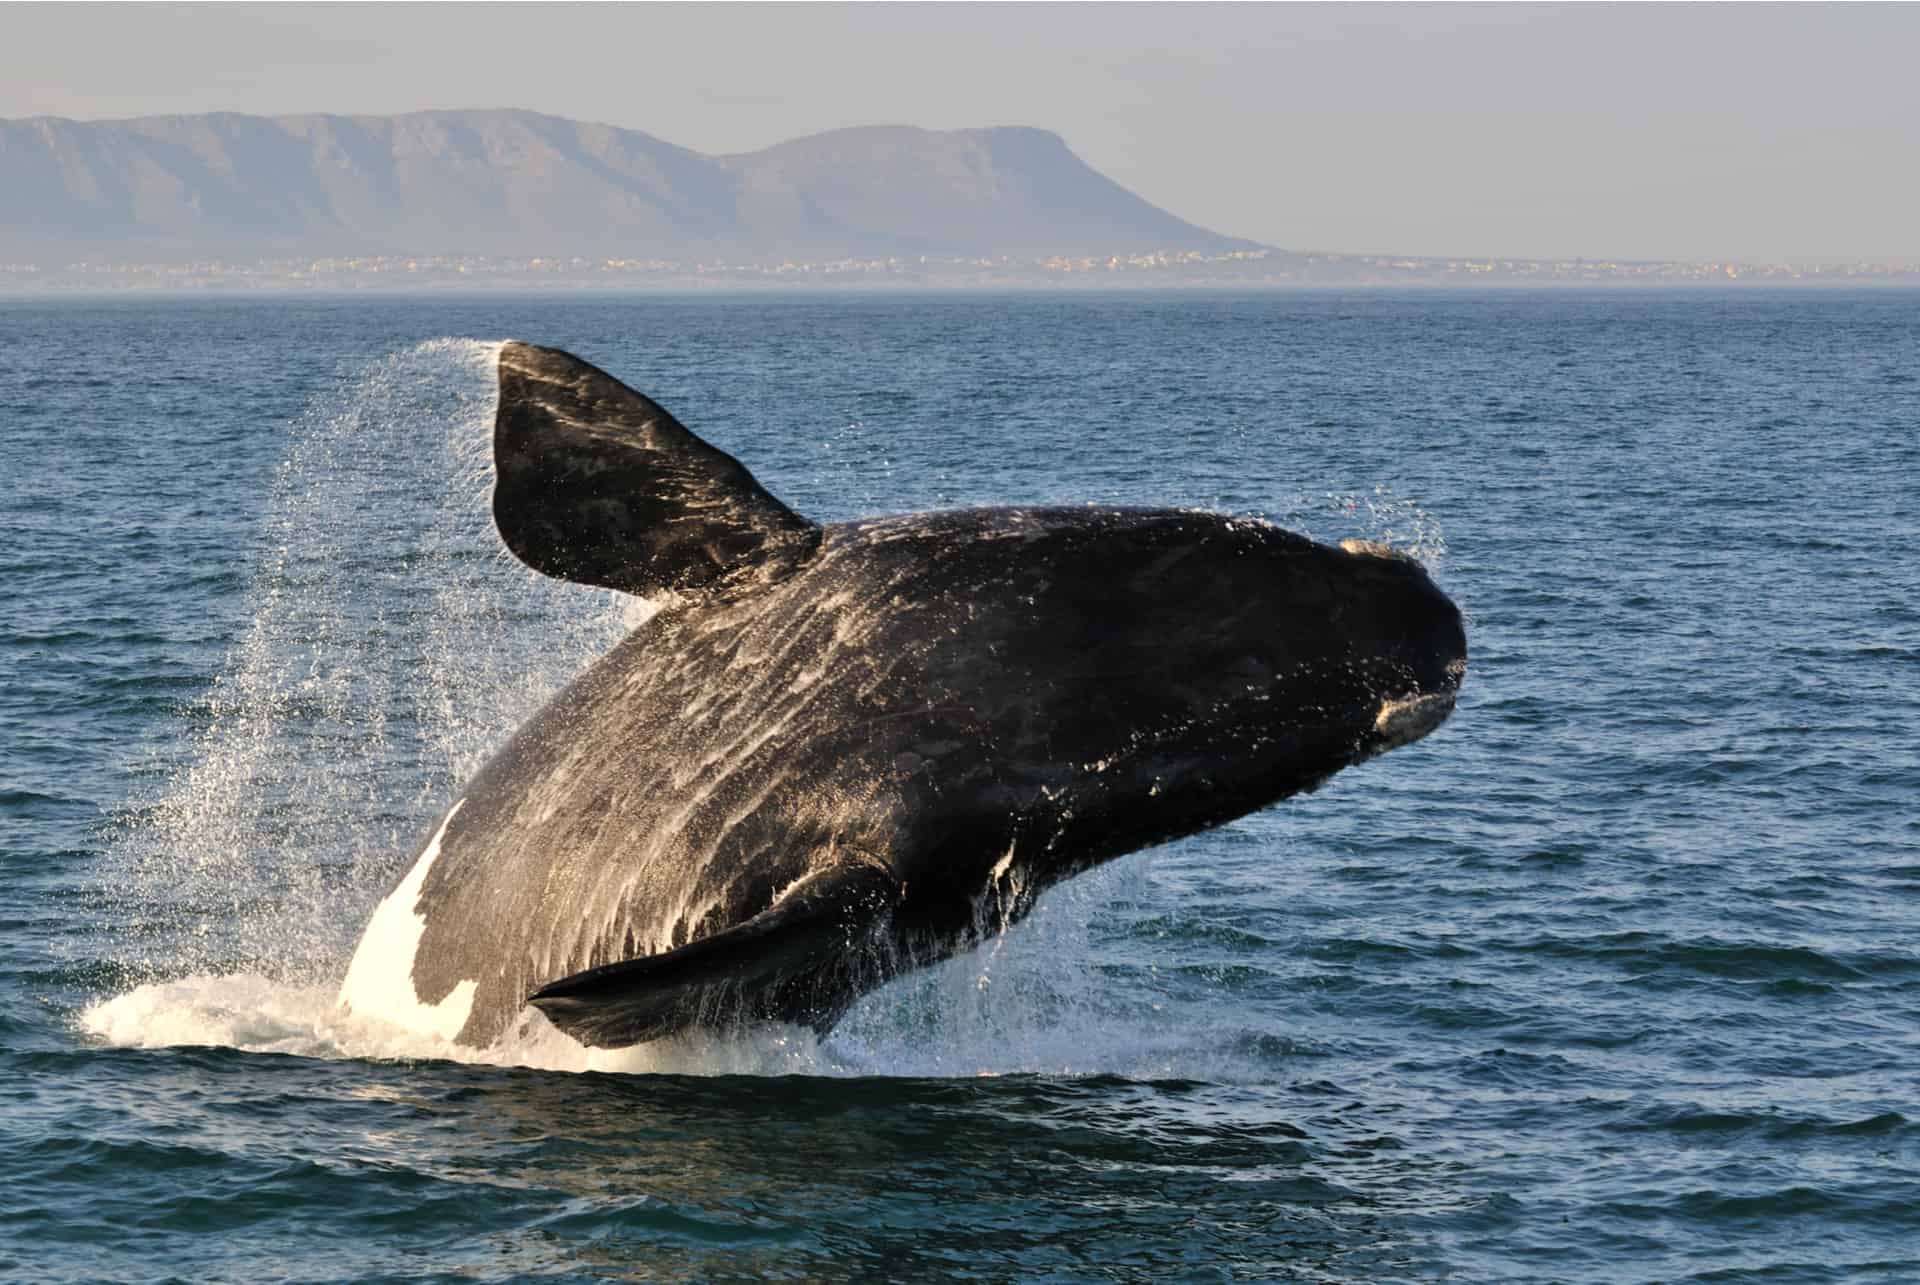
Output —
(1611, 978)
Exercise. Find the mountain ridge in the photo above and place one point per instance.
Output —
(507, 181)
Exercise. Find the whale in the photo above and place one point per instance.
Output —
(838, 752)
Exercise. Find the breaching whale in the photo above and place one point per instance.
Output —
(838, 752)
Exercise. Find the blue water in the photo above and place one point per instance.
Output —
(1616, 976)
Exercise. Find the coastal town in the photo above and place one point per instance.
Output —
(1254, 269)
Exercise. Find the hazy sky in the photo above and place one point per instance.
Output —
(1637, 131)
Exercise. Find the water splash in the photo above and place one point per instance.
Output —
(262, 1014)
(1037, 997)
(1378, 516)
(392, 645)
(1032, 997)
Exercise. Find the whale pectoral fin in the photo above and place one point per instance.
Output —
(600, 485)
(793, 962)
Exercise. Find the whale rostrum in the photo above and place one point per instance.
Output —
(838, 752)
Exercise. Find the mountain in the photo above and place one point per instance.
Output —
(513, 182)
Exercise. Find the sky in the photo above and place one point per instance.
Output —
(1744, 132)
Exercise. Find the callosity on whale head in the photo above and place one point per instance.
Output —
(833, 746)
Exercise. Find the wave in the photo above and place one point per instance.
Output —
(1038, 999)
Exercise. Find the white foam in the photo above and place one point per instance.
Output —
(1032, 1000)
(260, 1015)
(380, 979)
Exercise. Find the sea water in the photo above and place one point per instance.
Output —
(1616, 976)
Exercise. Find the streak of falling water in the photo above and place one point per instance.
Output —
(392, 644)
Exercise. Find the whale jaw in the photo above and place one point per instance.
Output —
(1402, 722)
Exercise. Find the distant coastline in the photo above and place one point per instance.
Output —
(1156, 269)
(479, 189)
(509, 199)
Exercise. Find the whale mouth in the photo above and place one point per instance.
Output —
(1404, 721)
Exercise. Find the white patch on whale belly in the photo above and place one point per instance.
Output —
(380, 979)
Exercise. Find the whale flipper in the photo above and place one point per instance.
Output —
(772, 966)
(600, 485)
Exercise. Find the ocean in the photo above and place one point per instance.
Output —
(1614, 977)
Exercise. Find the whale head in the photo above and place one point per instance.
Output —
(1271, 661)
(1072, 684)
(1418, 644)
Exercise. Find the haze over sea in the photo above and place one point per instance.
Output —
(1613, 977)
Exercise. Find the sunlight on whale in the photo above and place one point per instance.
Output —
(837, 754)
